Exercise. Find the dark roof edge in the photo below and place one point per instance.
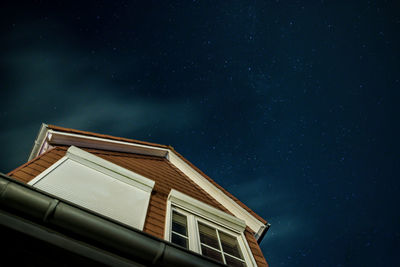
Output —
(259, 237)
(39, 208)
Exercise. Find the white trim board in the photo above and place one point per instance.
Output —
(197, 207)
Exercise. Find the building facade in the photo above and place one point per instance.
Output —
(140, 187)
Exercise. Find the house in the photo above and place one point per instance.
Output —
(94, 199)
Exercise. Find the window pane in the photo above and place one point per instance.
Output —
(179, 223)
(208, 236)
(234, 262)
(211, 253)
(230, 245)
(179, 240)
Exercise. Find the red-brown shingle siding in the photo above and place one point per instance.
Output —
(155, 233)
(36, 167)
(23, 177)
(255, 248)
(156, 215)
(155, 219)
(33, 168)
(25, 164)
(47, 159)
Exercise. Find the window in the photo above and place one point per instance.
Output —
(192, 227)
(220, 246)
(179, 234)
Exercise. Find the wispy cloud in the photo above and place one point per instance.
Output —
(124, 116)
(72, 88)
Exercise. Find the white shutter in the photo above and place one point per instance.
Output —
(92, 189)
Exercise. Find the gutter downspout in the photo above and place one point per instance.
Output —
(128, 242)
(259, 237)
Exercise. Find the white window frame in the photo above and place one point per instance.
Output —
(197, 211)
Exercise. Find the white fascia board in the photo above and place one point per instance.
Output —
(61, 138)
(206, 211)
(216, 193)
(38, 144)
(110, 168)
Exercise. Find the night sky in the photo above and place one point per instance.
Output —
(289, 105)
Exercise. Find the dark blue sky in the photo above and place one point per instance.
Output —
(289, 105)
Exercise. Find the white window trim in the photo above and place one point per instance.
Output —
(241, 239)
(197, 211)
(199, 208)
(101, 165)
